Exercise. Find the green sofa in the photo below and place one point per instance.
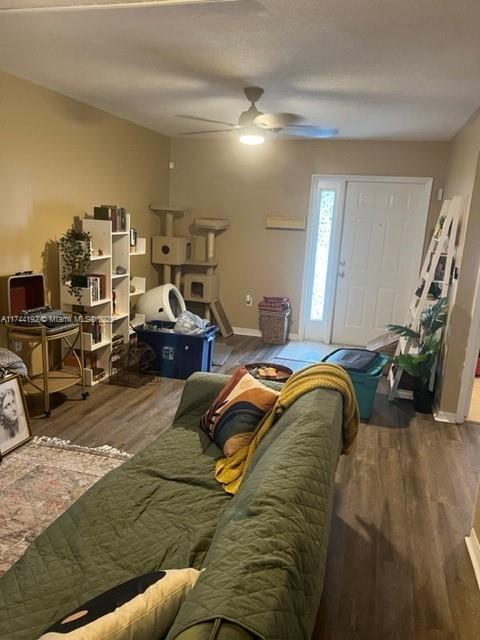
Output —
(263, 550)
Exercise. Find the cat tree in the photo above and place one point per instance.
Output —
(200, 279)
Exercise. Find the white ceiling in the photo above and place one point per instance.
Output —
(394, 69)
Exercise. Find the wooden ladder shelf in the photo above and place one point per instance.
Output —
(442, 249)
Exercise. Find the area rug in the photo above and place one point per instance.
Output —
(305, 351)
(221, 353)
(39, 481)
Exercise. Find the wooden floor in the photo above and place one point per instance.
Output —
(398, 568)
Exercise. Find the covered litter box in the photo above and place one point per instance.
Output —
(164, 302)
(178, 355)
(365, 369)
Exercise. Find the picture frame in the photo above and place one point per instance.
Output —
(15, 427)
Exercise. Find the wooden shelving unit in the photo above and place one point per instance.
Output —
(140, 249)
(110, 249)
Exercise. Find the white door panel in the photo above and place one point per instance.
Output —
(380, 253)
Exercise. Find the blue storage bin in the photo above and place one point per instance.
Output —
(364, 368)
(178, 355)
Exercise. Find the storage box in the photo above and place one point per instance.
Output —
(365, 369)
(178, 355)
(274, 326)
(22, 291)
(386, 344)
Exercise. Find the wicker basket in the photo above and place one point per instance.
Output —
(274, 326)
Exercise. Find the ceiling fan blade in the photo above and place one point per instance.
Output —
(277, 120)
(309, 131)
(197, 133)
(227, 124)
(23, 6)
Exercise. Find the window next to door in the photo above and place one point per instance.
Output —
(322, 250)
(324, 228)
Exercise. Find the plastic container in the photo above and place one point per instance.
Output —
(178, 355)
(365, 371)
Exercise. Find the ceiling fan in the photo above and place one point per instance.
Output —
(252, 123)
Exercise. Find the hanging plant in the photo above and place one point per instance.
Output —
(76, 249)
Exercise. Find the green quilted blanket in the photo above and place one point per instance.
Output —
(263, 550)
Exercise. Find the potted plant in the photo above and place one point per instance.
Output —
(428, 342)
(76, 249)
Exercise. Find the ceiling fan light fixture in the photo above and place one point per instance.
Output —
(252, 136)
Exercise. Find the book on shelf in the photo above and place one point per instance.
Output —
(123, 219)
(91, 362)
(96, 282)
(117, 215)
(133, 238)
(117, 342)
(98, 374)
(95, 329)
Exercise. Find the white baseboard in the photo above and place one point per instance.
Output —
(245, 331)
(445, 416)
(473, 547)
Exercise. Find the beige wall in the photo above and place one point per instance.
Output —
(462, 162)
(224, 178)
(59, 157)
(476, 515)
(463, 178)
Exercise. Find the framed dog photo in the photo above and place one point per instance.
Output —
(14, 421)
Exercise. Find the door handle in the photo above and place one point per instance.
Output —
(341, 274)
(342, 263)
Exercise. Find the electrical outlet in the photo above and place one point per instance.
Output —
(248, 300)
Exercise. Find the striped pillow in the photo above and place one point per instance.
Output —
(237, 411)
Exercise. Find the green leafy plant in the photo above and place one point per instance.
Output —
(427, 341)
(435, 317)
(75, 248)
(420, 365)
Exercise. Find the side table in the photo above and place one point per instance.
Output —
(52, 378)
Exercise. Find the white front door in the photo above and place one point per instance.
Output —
(380, 257)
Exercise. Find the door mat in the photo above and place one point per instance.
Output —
(305, 351)
(221, 354)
